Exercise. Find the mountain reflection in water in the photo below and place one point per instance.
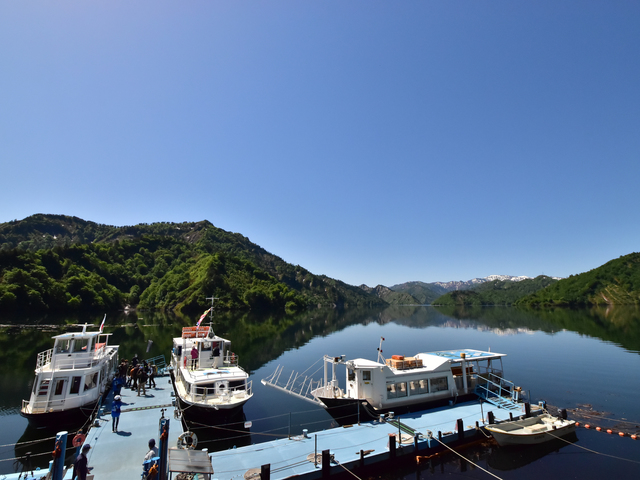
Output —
(566, 357)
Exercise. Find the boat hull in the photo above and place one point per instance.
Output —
(347, 411)
(206, 414)
(531, 432)
(73, 417)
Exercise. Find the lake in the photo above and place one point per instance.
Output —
(586, 361)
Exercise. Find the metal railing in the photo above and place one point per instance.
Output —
(222, 394)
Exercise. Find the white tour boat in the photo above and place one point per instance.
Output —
(212, 384)
(531, 431)
(70, 379)
(403, 384)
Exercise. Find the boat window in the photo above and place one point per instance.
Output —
(75, 385)
(80, 345)
(391, 390)
(439, 384)
(417, 387)
(401, 389)
(59, 387)
(63, 346)
(424, 386)
(206, 388)
(205, 346)
(90, 381)
(44, 388)
(366, 375)
(351, 375)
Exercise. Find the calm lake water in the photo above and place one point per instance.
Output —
(585, 361)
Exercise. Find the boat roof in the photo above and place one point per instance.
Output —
(469, 355)
(433, 360)
(82, 334)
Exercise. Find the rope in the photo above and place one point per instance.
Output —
(465, 458)
(347, 470)
(593, 451)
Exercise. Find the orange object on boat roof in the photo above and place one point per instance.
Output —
(397, 357)
(195, 332)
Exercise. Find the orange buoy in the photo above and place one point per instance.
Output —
(577, 424)
(634, 436)
(609, 431)
(621, 434)
(598, 428)
(587, 426)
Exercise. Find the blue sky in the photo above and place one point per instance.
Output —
(374, 142)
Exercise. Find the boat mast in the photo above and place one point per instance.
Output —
(212, 298)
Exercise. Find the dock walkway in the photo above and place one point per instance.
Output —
(295, 456)
(119, 455)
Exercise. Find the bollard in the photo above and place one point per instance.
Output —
(460, 429)
(527, 409)
(326, 464)
(265, 472)
(392, 446)
(490, 418)
(361, 458)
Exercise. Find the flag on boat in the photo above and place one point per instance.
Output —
(102, 324)
(202, 317)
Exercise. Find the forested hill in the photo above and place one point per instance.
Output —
(497, 292)
(61, 263)
(617, 282)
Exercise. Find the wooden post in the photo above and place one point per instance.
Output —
(460, 429)
(326, 464)
(392, 446)
(361, 458)
(265, 472)
(490, 418)
(527, 409)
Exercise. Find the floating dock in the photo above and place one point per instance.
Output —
(308, 456)
(120, 455)
(359, 446)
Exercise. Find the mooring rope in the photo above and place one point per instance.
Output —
(593, 451)
(465, 458)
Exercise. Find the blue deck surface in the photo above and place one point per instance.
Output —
(295, 456)
(119, 455)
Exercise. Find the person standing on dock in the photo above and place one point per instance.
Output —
(80, 466)
(142, 380)
(194, 358)
(115, 413)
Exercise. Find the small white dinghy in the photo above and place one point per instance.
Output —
(531, 431)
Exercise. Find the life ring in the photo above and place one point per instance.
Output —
(187, 440)
(78, 440)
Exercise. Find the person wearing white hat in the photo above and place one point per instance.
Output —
(115, 413)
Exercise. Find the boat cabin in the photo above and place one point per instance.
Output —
(200, 348)
(73, 373)
(423, 378)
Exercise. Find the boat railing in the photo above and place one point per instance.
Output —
(491, 384)
(298, 385)
(44, 358)
(224, 394)
(230, 360)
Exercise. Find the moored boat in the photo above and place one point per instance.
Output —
(70, 379)
(206, 376)
(531, 431)
(405, 384)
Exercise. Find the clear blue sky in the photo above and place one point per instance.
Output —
(376, 142)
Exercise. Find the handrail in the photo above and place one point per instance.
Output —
(501, 390)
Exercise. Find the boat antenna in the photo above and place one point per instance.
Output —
(380, 351)
(212, 298)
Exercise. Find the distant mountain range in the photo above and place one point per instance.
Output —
(426, 293)
(58, 263)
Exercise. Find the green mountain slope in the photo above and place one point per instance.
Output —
(497, 292)
(424, 293)
(61, 263)
(615, 283)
